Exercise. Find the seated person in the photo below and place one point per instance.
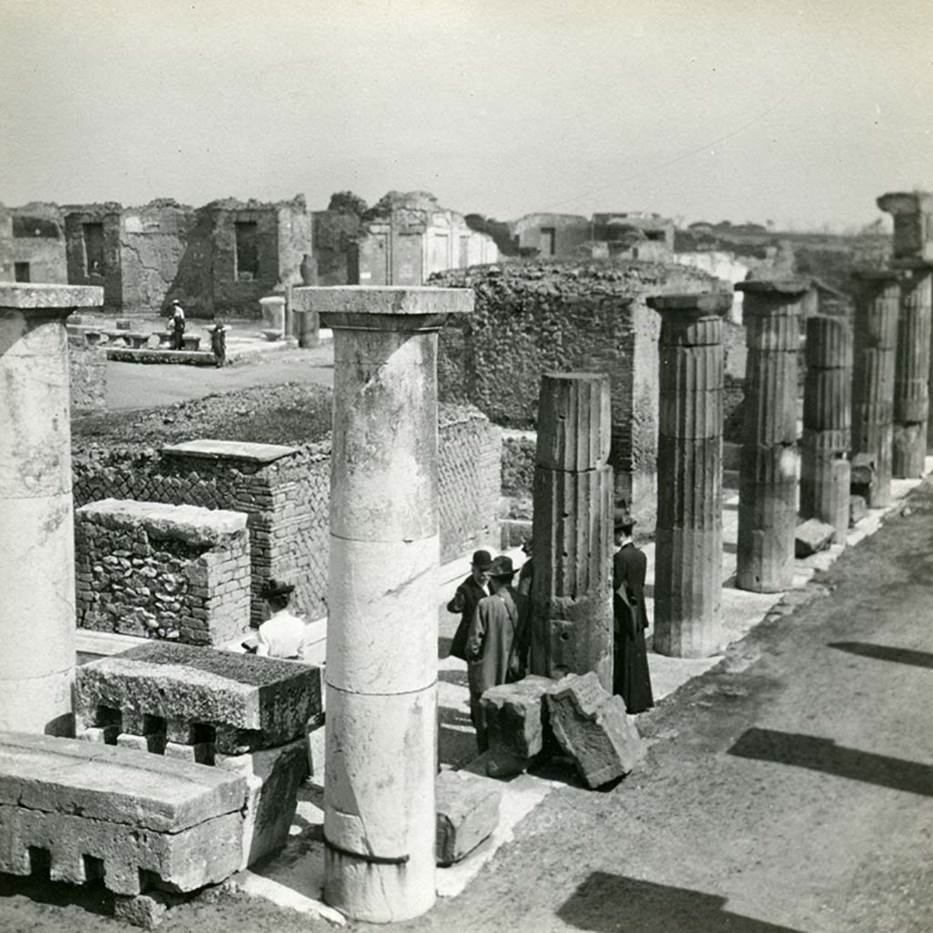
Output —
(281, 635)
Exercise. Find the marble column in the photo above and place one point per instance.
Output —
(877, 304)
(382, 596)
(688, 537)
(827, 415)
(912, 369)
(571, 593)
(37, 569)
(769, 466)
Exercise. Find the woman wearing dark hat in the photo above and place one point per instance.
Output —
(469, 593)
(492, 644)
(631, 679)
(281, 635)
(178, 325)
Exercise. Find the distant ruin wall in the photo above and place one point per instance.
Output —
(88, 370)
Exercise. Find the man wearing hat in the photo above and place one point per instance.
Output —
(631, 679)
(468, 594)
(178, 325)
(281, 635)
(492, 643)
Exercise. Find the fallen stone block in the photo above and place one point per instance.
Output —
(136, 820)
(858, 509)
(235, 702)
(144, 910)
(272, 778)
(515, 723)
(592, 727)
(812, 536)
(467, 813)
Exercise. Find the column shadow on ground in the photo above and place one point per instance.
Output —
(885, 653)
(819, 754)
(606, 903)
(93, 898)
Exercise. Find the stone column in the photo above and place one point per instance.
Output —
(913, 223)
(37, 569)
(688, 538)
(572, 529)
(768, 474)
(877, 305)
(382, 594)
(273, 316)
(827, 416)
(912, 369)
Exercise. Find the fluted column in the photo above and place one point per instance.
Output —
(37, 570)
(381, 673)
(877, 304)
(769, 466)
(572, 529)
(912, 369)
(827, 414)
(688, 536)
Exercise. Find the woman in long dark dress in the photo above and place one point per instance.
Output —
(631, 679)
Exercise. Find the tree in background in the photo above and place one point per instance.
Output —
(346, 202)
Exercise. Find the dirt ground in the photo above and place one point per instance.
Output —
(789, 790)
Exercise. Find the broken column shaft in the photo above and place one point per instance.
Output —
(572, 529)
(37, 591)
(768, 475)
(877, 305)
(912, 369)
(381, 749)
(688, 538)
(827, 416)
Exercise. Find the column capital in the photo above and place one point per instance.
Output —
(388, 308)
(871, 274)
(779, 288)
(695, 304)
(910, 266)
(49, 300)
(905, 202)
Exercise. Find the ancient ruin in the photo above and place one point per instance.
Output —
(768, 480)
(688, 554)
(571, 603)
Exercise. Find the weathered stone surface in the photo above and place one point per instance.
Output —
(250, 702)
(912, 212)
(858, 509)
(515, 716)
(272, 778)
(188, 523)
(812, 536)
(209, 449)
(592, 727)
(574, 428)
(467, 813)
(161, 357)
(144, 910)
(134, 813)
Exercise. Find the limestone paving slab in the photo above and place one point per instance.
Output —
(253, 702)
(467, 808)
(229, 450)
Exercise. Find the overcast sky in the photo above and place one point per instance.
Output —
(801, 113)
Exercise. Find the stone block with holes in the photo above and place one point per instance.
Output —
(191, 702)
(94, 812)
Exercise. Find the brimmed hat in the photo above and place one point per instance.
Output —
(275, 587)
(502, 568)
(175, 301)
(482, 560)
(622, 518)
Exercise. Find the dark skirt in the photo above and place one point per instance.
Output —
(630, 677)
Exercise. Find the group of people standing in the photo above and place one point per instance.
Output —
(494, 633)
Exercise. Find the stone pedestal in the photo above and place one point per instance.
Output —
(572, 530)
(827, 413)
(912, 369)
(37, 589)
(688, 552)
(381, 754)
(769, 467)
(273, 316)
(877, 305)
(307, 325)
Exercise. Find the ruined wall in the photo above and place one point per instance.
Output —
(571, 231)
(38, 242)
(157, 571)
(537, 317)
(87, 366)
(6, 245)
(287, 499)
(333, 235)
(80, 266)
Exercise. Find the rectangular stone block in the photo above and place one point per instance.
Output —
(812, 536)
(248, 702)
(592, 727)
(514, 716)
(467, 813)
(858, 509)
(180, 823)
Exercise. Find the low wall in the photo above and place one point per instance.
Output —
(162, 571)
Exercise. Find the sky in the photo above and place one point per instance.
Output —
(701, 109)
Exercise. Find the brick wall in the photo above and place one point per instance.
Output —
(158, 571)
(285, 493)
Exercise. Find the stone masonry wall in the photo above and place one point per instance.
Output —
(162, 571)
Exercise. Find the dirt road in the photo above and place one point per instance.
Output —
(789, 790)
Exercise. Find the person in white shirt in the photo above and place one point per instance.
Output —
(281, 635)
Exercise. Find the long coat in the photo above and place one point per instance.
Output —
(631, 679)
(465, 600)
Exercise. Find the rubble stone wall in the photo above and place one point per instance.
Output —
(157, 571)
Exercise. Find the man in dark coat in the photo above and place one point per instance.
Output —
(631, 679)
(468, 594)
(492, 643)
